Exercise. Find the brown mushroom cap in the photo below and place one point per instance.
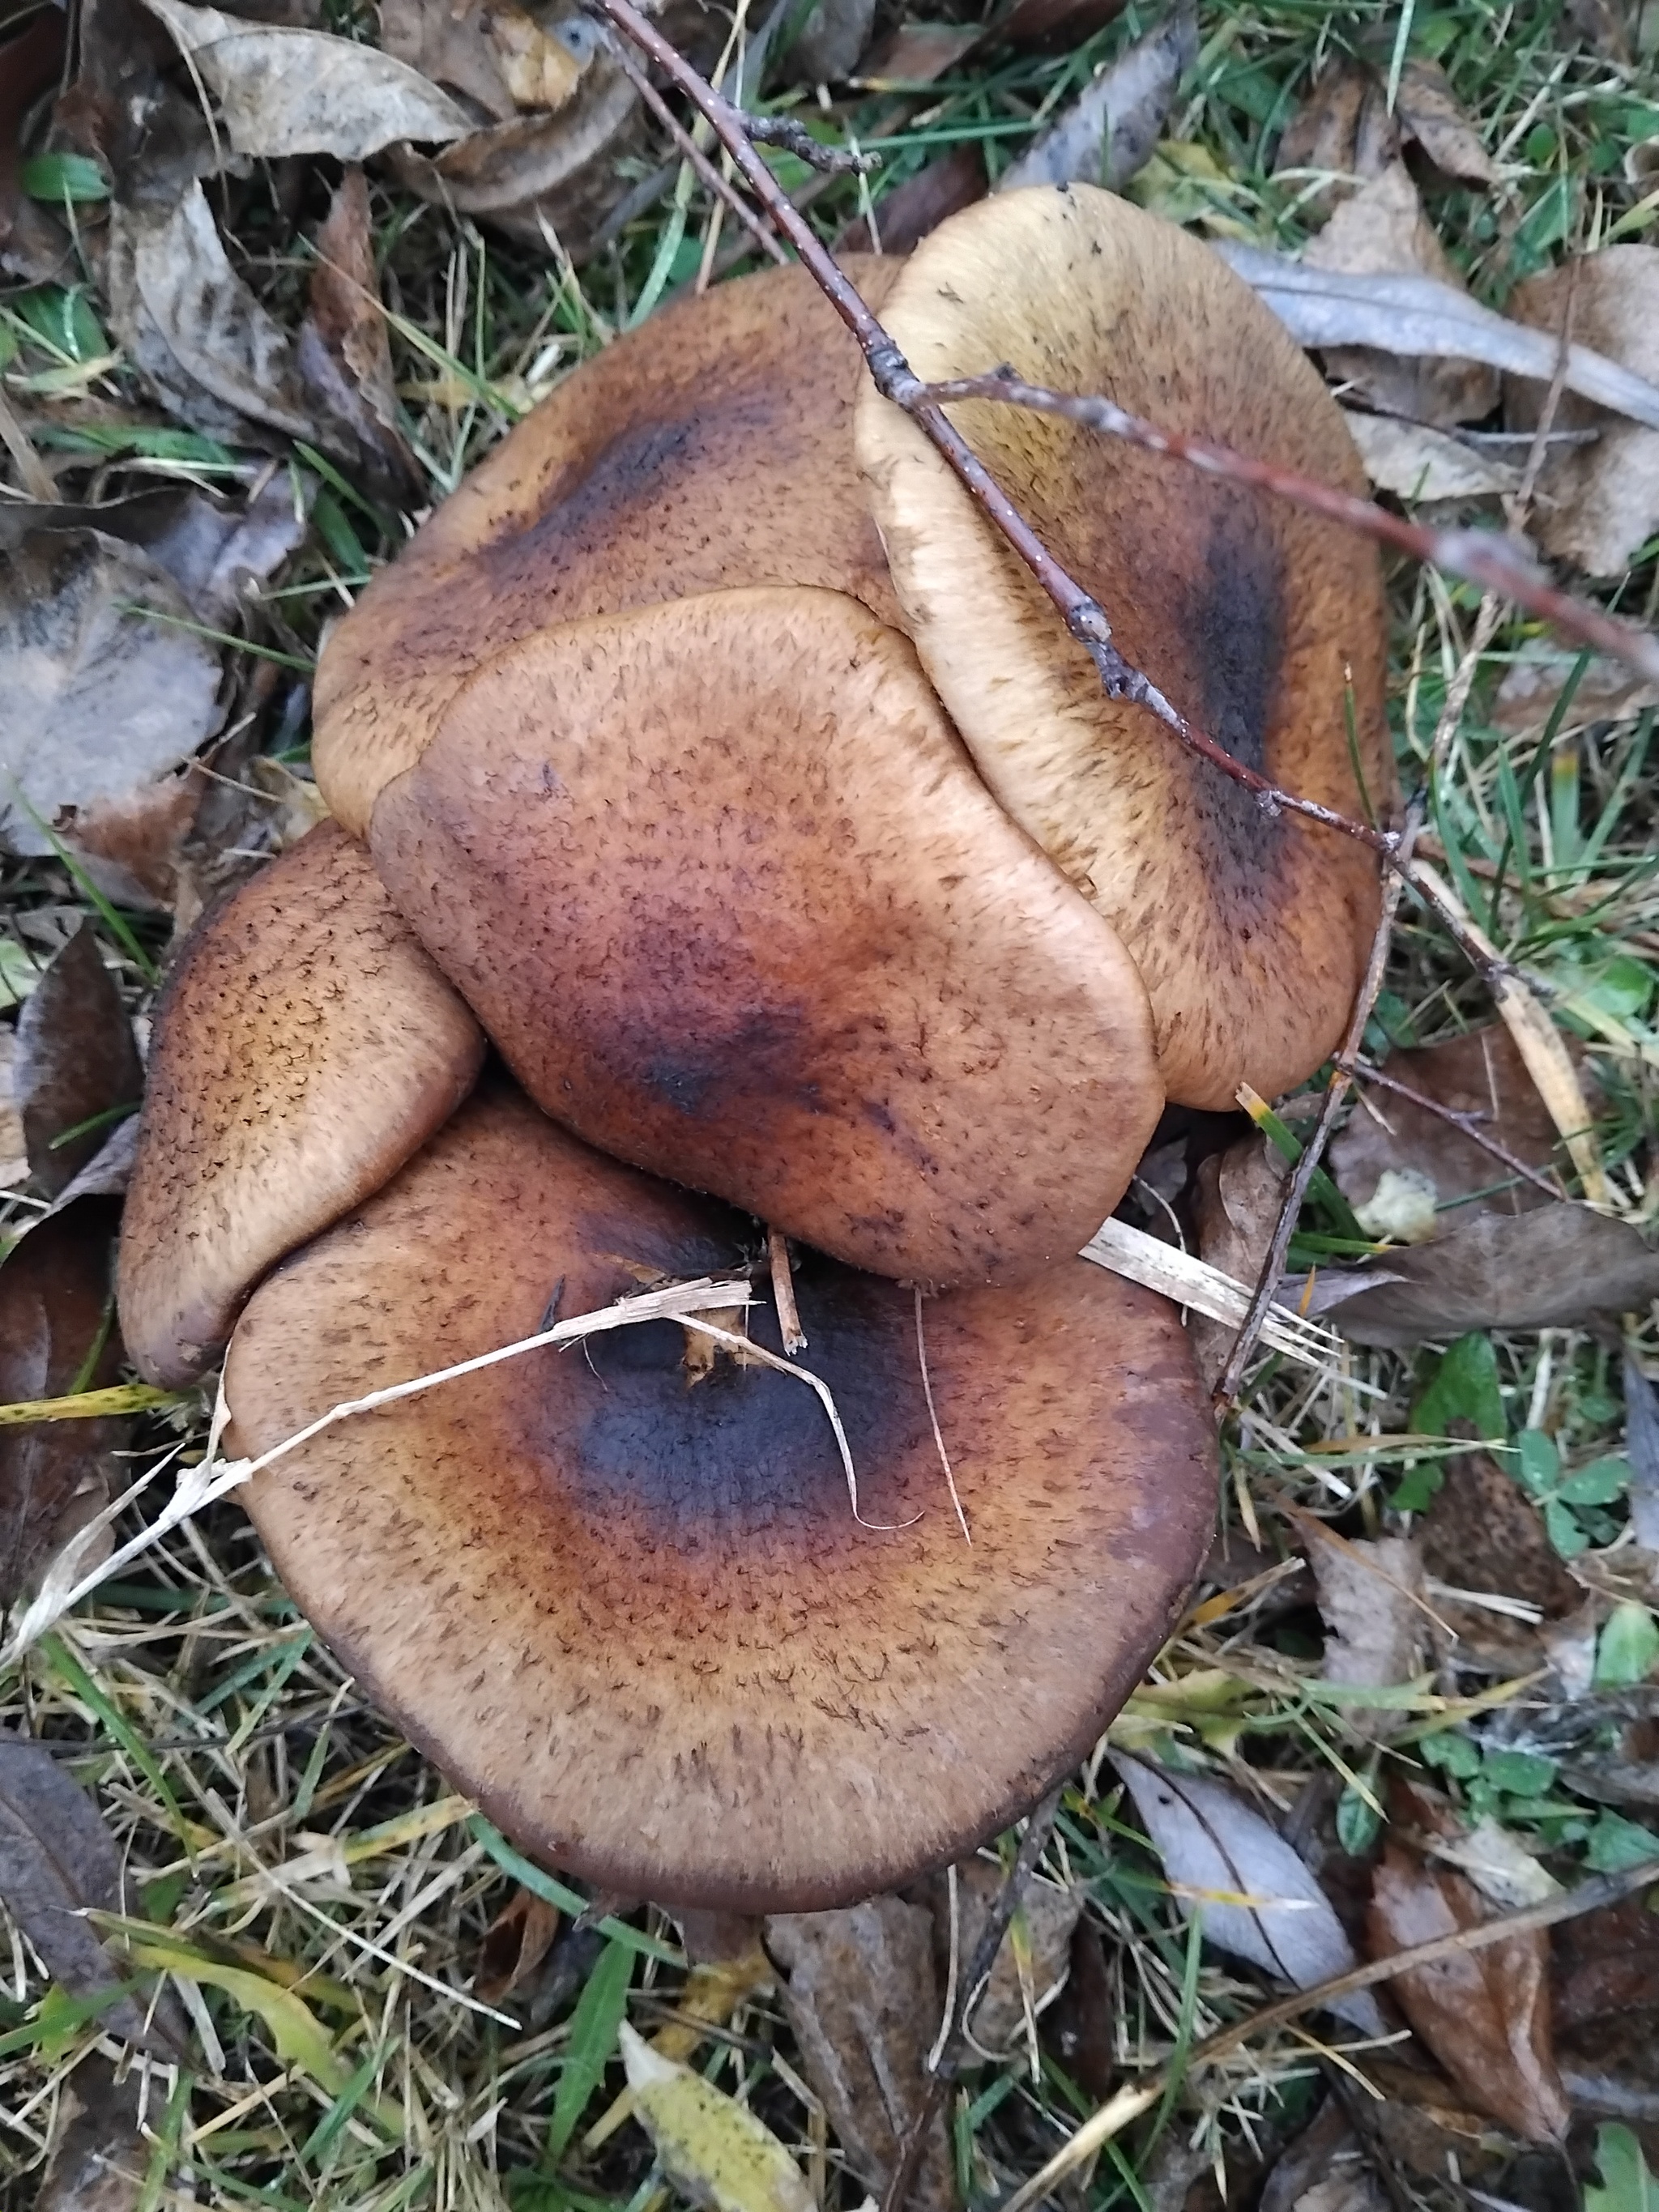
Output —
(722, 885)
(633, 1615)
(711, 446)
(1252, 616)
(305, 1048)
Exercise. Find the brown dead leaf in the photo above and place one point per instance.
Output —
(1052, 26)
(1426, 2127)
(864, 2005)
(916, 53)
(1383, 230)
(1482, 1074)
(1078, 2026)
(56, 1858)
(1239, 1192)
(1342, 128)
(538, 172)
(1106, 135)
(343, 353)
(906, 213)
(1557, 1268)
(56, 1287)
(1604, 1977)
(76, 1062)
(1642, 1450)
(32, 245)
(833, 36)
(99, 2157)
(492, 51)
(1605, 691)
(1430, 112)
(1483, 1535)
(1371, 1596)
(514, 1944)
(1485, 2014)
(1416, 463)
(1598, 503)
(1031, 1966)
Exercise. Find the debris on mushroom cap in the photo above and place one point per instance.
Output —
(633, 1615)
(305, 1048)
(711, 446)
(1263, 623)
(724, 888)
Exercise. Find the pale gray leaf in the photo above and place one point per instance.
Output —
(1107, 133)
(288, 91)
(1416, 462)
(1210, 1840)
(1414, 315)
(1642, 1448)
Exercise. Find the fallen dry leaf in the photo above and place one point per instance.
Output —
(343, 353)
(1604, 1985)
(76, 1063)
(1483, 1535)
(906, 213)
(710, 2147)
(1107, 134)
(832, 41)
(1557, 1268)
(1078, 2026)
(1481, 1073)
(56, 1858)
(514, 1944)
(538, 171)
(102, 698)
(1419, 315)
(55, 1293)
(1371, 1596)
(1031, 1967)
(1605, 691)
(1052, 26)
(494, 54)
(1642, 1450)
(1485, 2014)
(916, 53)
(1256, 1896)
(1417, 463)
(192, 328)
(1430, 112)
(32, 245)
(1383, 230)
(1597, 503)
(864, 2005)
(1238, 1196)
(1342, 130)
(285, 91)
(99, 2158)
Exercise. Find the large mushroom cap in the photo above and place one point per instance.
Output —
(722, 884)
(632, 1614)
(305, 1048)
(711, 446)
(1263, 623)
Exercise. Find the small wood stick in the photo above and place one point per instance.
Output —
(783, 1292)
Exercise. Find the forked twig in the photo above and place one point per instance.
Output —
(1466, 1125)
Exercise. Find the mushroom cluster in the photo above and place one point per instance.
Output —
(706, 768)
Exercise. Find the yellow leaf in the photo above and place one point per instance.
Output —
(707, 2143)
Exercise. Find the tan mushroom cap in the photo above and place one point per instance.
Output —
(1252, 616)
(711, 446)
(633, 1615)
(723, 887)
(305, 1048)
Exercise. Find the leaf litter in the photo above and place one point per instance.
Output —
(220, 1739)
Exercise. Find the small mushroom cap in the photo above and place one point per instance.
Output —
(1252, 616)
(633, 1615)
(711, 446)
(722, 885)
(305, 1048)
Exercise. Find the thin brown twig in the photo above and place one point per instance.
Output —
(1486, 557)
(942, 2069)
(1465, 1123)
(790, 133)
(720, 185)
(1129, 2103)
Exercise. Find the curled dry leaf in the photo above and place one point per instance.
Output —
(101, 697)
(1558, 1267)
(1107, 133)
(1383, 230)
(76, 1063)
(514, 1944)
(1256, 1896)
(343, 357)
(538, 172)
(905, 216)
(1419, 315)
(494, 53)
(190, 324)
(1371, 1596)
(1239, 1195)
(1598, 503)
(285, 91)
(1604, 691)
(55, 1293)
(1031, 1967)
(1485, 2014)
(1430, 112)
(863, 2002)
(1419, 463)
(1343, 129)
(708, 2145)
(1480, 1074)
(1077, 2027)
(56, 1859)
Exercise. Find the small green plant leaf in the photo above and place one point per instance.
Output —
(593, 2030)
(1465, 1388)
(1627, 1649)
(59, 176)
(1616, 1845)
(1627, 2185)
